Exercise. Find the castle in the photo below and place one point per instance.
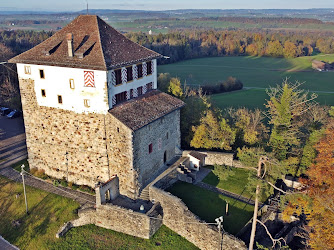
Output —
(92, 109)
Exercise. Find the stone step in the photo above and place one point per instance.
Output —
(145, 194)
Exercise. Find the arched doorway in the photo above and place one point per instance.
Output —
(165, 156)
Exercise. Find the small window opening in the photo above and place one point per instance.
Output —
(27, 70)
(41, 74)
(149, 67)
(140, 70)
(129, 74)
(118, 74)
(167, 135)
(87, 103)
(43, 92)
(150, 148)
(140, 91)
(117, 130)
(60, 99)
(72, 83)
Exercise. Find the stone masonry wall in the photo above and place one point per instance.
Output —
(121, 220)
(213, 158)
(178, 218)
(164, 134)
(86, 138)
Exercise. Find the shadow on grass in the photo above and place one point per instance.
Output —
(209, 206)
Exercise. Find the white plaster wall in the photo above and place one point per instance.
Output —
(134, 84)
(56, 83)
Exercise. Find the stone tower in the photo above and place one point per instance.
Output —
(92, 110)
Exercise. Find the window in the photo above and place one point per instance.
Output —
(140, 91)
(87, 103)
(43, 92)
(27, 70)
(131, 93)
(41, 74)
(150, 148)
(118, 74)
(129, 73)
(167, 135)
(140, 70)
(149, 67)
(121, 97)
(71, 83)
(60, 99)
(149, 86)
(117, 129)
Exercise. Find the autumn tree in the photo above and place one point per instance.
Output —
(213, 133)
(250, 129)
(174, 87)
(275, 48)
(318, 202)
(290, 50)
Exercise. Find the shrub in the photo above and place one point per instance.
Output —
(230, 84)
(63, 182)
(55, 183)
(70, 184)
(40, 173)
(33, 171)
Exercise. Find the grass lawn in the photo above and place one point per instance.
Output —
(260, 72)
(209, 206)
(234, 183)
(256, 98)
(49, 211)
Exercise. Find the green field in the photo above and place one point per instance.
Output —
(209, 206)
(48, 212)
(256, 73)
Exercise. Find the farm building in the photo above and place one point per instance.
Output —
(322, 66)
(92, 109)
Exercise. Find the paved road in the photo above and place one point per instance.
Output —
(5, 245)
(12, 141)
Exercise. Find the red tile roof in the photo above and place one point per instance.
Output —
(153, 105)
(96, 45)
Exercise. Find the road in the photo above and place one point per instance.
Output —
(12, 141)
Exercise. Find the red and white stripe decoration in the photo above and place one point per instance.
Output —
(128, 94)
(144, 89)
(89, 79)
(134, 72)
(113, 100)
(144, 69)
(153, 66)
(135, 92)
(124, 76)
(113, 78)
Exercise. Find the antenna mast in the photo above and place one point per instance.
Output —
(87, 8)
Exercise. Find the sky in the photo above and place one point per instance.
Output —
(76, 5)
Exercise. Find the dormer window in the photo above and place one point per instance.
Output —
(129, 73)
(41, 74)
(140, 70)
(118, 74)
(27, 70)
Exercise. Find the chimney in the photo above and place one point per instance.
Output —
(69, 38)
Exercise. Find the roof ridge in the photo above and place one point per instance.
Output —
(99, 36)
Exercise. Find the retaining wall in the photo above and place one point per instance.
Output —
(182, 221)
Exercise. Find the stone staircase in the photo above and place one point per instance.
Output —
(145, 193)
